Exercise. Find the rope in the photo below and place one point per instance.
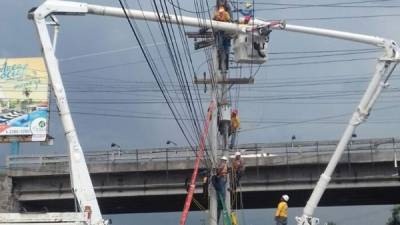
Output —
(241, 205)
(198, 204)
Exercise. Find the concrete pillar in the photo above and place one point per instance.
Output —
(7, 201)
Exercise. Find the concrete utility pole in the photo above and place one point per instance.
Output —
(218, 133)
(213, 143)
(218, 140)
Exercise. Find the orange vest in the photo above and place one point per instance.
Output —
(235, 122)
(222, 169)
(222, 15)
(237, 165)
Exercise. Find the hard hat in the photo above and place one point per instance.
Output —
(248, 5)
(237, 153)
(221, 2)
(224, 158)
(285, 197)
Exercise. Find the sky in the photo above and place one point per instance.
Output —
(308, 88)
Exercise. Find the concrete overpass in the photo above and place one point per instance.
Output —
(153, 180)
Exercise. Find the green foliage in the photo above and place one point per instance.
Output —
(395, 219)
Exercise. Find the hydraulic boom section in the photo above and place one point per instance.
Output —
(81, 183)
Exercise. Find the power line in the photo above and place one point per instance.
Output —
(176, 97)
(106, 52)
(315, 62)
(329, 5)
(343, 17)
(313, 120)
(153, 70)
(177, 63)
(321, 120)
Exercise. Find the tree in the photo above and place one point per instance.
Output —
(395, 219)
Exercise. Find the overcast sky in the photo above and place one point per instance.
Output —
(114, 97)
(109, 85)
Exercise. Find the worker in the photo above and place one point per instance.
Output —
(205, 175)
(235, 124)
(220, 177)
(187, 184)
(227, 8)
(221, 14)
(238, 168)
(247, 13)
(282, 211)
(219, 181)
(223, 41)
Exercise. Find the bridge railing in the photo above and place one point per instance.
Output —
(285, 150)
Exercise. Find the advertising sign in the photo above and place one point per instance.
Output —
(24, 98)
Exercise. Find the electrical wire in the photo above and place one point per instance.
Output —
(145, 54)
(313, 119)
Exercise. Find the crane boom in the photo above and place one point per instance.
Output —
(81, 182)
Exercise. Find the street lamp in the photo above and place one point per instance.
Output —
(114, 145)
(293, 139)
(171, 142)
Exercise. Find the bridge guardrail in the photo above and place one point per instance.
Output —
(314, 149)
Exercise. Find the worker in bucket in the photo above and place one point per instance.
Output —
(222, 13)
(282, 211)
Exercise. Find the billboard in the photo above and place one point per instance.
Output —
(24, 99)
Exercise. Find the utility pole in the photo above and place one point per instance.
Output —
(217, 136)
(213, 143)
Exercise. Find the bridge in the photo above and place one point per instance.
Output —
(153, 180)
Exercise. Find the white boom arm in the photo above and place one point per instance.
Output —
(81, 183)
(384, 68)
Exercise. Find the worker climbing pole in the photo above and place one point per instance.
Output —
(234, 127)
